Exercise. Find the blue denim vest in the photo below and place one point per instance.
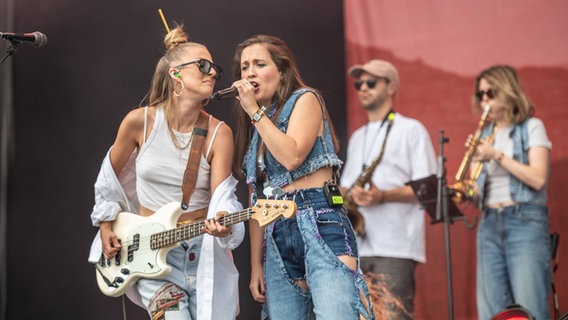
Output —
(322, 153)
(520, 192)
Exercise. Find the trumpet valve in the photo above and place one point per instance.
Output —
(462, 191)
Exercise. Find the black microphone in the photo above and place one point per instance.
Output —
(225, 94)
(228, 93)
(37, 39)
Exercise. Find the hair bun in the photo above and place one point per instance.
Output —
(175, 37)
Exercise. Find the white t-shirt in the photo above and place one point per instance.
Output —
(394, 229)
(498, 179)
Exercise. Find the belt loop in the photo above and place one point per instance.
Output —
(518, 208)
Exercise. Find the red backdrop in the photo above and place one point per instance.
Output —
(438, 48)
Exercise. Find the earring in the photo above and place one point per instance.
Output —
(181, 91)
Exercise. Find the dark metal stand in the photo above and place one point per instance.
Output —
(10, 51)
(435, 197)
(443, 214)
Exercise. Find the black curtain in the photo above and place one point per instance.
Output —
(69, 98)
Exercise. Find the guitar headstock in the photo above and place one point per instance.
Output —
(267, 210)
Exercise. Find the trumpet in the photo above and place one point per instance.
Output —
(465, 184)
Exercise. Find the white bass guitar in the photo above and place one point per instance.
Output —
(146, 241)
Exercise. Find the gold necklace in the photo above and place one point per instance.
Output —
(175, 139)
(177, 143)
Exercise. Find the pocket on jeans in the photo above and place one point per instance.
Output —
(332, 229)
(328, 216)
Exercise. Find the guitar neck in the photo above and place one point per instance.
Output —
(172, 236)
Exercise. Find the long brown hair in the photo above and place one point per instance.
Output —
(290, 81)
(504, 80)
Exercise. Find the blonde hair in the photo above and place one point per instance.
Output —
(504, 81)
(176, 43)
(161, 94)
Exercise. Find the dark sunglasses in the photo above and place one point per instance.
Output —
(490, 94)
(205, 67)
(371, 83)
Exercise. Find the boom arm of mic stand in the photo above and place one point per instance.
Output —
(10, 50)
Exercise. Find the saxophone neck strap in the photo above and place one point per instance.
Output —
(389, 119)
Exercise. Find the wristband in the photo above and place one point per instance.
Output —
(500, 157)
(257, 115)
(384, 197)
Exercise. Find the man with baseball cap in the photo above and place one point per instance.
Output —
(392, 239)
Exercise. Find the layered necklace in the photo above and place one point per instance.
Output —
(181, 145)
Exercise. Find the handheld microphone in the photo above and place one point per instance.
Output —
(228, 93)
(37, 39)
(225, 94)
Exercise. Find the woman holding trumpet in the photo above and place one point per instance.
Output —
(513, 244)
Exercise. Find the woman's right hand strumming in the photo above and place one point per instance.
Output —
(111, 245)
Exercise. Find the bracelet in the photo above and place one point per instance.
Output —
(257, 115)
(500, 157)
(384, 197)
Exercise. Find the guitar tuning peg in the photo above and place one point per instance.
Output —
(268, 191)
(278, 192)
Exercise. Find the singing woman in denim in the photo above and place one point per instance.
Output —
(304, 267)
(513, 243)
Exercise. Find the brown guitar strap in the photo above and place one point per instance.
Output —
(190, 175)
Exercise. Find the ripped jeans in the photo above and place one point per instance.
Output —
(173, 297)
(306, 246)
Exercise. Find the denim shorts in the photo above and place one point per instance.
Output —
(333, 226)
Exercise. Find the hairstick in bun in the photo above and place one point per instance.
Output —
(164, 20)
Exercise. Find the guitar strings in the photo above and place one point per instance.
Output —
(175, 235)
(172, 236)
(196, 228)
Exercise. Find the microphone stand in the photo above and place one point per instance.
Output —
(10, 51)
(442, 213)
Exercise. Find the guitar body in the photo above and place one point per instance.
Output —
(146, 241)
(136, 258)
